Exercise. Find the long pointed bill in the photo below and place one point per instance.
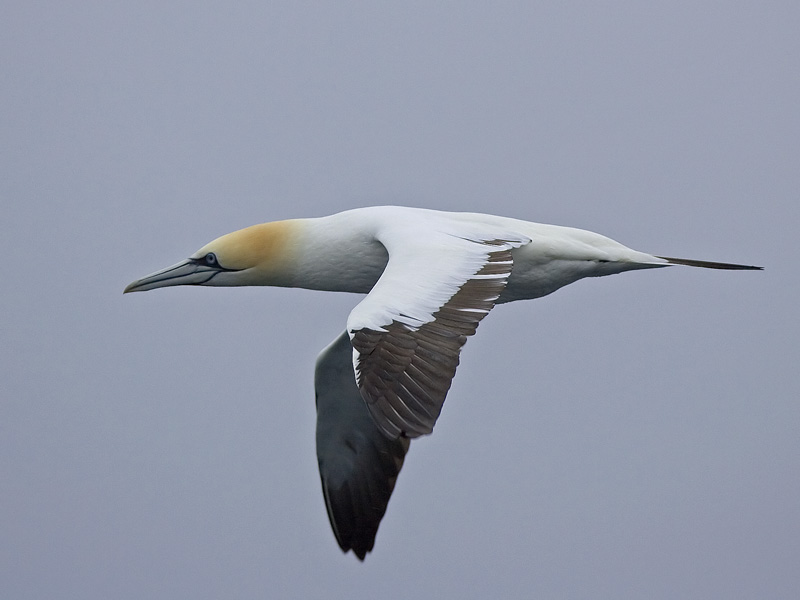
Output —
(188, 272)
(710, 265)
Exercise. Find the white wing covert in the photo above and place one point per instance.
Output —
(408, 332)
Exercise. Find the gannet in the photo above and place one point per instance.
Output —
(430, 278)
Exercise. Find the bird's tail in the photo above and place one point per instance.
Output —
(710, 265)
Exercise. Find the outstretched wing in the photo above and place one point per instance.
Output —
(358, 465)
(408, 332)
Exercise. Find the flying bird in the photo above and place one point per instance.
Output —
(429, 277)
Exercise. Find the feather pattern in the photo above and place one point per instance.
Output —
(405, 358)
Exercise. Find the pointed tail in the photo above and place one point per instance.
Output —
(710, 265)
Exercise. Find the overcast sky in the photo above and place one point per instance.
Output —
(636, 436)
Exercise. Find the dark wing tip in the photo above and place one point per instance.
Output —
(710, 264)
(357, 483)
(358, 465)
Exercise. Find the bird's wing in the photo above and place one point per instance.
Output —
(358, 465)
(408, 332)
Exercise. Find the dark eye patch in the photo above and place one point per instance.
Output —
(210, 260)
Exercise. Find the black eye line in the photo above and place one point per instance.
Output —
(211, 275)
(218, 267)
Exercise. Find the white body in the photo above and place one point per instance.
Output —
(430, 278)
(343, 252)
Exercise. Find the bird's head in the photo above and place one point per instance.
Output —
(257, 255)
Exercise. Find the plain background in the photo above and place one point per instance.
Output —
(627, 437)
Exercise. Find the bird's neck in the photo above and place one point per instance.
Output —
(338, 253)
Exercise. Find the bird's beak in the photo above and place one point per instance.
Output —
(188, 272)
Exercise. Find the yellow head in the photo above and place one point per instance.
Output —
(257, 255)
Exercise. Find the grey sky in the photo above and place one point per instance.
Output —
(628, 437)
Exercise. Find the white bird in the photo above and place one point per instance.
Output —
(430, 278)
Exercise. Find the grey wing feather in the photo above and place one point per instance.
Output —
(358, 465)
(405, 371)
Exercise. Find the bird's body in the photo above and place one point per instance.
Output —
(430, 277)
(346, 252)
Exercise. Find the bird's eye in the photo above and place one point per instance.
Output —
(211, 259)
